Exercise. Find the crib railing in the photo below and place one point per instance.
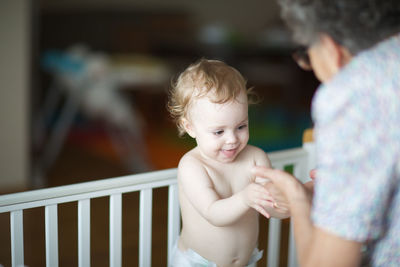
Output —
(294, 160)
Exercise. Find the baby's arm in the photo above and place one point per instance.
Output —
(199, 190)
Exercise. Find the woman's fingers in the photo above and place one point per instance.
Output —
(269, 173)
(313, 174)
(281, 179)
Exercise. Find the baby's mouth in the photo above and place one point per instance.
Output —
(229, 152)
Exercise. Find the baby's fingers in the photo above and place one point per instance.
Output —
(283, 206)
(282, 210)
(261, 210)
(261, 192)
(264, 203)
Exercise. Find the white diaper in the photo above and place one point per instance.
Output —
(190, 258)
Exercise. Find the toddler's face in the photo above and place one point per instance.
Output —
(221, 130)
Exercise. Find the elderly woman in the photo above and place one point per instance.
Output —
(354, 49)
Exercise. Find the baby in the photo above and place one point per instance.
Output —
(219, 197)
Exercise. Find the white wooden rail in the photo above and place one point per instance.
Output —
(15, 204)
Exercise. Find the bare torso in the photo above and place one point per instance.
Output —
(231, 244)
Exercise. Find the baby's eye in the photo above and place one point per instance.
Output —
(242, 126)
(220, 132)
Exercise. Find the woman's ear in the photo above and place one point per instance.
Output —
(345, 56)
(188, 127)
(338, 54)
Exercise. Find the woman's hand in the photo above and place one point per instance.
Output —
(313, 174)
(309, 186)
(291, 190)
(281, 206)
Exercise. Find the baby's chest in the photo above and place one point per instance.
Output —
(228, 183)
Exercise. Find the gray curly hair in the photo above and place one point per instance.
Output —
(355, 24)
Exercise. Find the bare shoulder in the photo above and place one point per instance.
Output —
(190, 164)
(189, 160)
(258, 155)
(192, 173)
(254, 149)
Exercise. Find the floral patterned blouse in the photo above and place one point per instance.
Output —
(357, 134)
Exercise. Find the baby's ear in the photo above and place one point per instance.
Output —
(188, 127)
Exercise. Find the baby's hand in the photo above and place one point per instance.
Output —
(261, 181)
(280, 208)
(280, 204)
(257, 197)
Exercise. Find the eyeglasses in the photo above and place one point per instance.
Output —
(302, 58)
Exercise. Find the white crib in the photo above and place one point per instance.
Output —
(299, 160)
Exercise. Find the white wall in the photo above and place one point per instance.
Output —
(14, 84)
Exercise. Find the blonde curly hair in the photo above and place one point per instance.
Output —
(198, 80)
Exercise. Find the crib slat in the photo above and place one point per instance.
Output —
(84, 233)
(310, 148)
(115, 230)
(292, 259)
(300, 171)
(145, 221)
(274, 235)
(17, 238)
(174, 222)
(51, 222)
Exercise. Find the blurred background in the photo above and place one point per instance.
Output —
(84, 87)
(84, 82)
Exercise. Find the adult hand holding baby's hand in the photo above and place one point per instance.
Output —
(280, 208)
(281, 205)
(257, 197)
(292, 190)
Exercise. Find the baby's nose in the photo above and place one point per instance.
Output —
(232, 138)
